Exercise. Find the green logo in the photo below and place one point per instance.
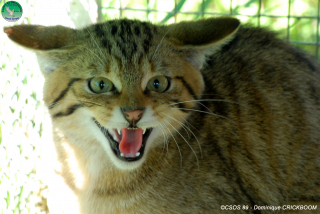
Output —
(11, 11)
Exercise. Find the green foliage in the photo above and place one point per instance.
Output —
(271, 14)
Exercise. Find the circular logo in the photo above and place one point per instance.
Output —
(11, 11)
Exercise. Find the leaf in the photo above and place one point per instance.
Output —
(19, 200)
(24, 81)
(206, 3)
(248, 4)
(40, 130)
(8, 199)
(0, 134)
(178, 7)
(34, 95)
(12, 109)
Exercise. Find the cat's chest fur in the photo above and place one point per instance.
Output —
(178, 119)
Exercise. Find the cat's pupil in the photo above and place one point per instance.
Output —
(156, 83)
(101, 84)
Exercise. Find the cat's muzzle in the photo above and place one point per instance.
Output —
(115, 142)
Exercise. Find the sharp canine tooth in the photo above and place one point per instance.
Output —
(121, 154)
(118, 131)
(137, 154)
(115, 138)
(144, 131)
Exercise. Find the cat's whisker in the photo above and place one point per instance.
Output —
(165, 143)
(85, 101)
(166, 136)
(81, 101)
(206, 107)
(184, 138)
(95, 42)
(160, 43)
(216, 115)
(208, 110)
(193, 134)
(102, 114)
(174, 141)
(84, 48)
(212, 113)
(187, 124)
(190, 125)
(179, 123)
(53, 105)
(215, 100)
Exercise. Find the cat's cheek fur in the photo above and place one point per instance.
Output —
(72, 144)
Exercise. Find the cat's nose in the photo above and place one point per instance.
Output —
(133, 115)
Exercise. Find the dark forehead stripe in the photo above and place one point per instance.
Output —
(137, 31)
(126, 27)
(106, 44)
(114, 30)
(122, 34)
(98, 29)
(125, 37)
(146, 45)
(188, 87)
(122, 48)
(127, 44)
(147, 30)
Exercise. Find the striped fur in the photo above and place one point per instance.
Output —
(239, 125)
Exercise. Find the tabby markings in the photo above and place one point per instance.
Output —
(120, 34)
(64, 92)
(114, 30)
(98, 29)
(69, 111)
(188, 87)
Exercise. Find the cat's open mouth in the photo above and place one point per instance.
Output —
(128, 144)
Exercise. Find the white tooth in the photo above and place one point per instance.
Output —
(115, 138)
(144, 131)
(121, 154)
(137, 154)
(118, 130)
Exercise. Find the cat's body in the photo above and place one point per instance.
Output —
(252, 139)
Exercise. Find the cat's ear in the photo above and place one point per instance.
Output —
(198, 39)
(47, 42)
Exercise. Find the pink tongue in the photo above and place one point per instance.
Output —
(131, 142)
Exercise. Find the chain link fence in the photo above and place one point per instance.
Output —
(297, 21)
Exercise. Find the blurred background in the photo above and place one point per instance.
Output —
(25, 131)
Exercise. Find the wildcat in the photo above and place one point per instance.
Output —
(182, 118)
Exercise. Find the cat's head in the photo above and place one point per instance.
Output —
(124, 84)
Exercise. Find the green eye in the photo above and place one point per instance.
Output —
(100, 85)
(158, 84)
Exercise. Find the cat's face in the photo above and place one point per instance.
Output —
(124, 85)
(103, 88)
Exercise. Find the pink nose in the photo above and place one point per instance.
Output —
(133, 115)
